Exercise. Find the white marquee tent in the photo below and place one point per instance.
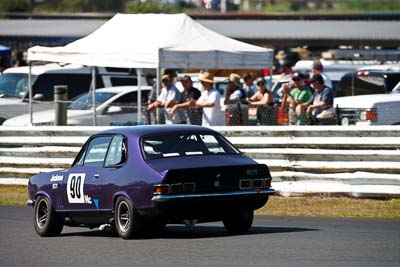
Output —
(156, 41)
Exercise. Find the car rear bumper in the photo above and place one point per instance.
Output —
(216, 195)
(207, 206)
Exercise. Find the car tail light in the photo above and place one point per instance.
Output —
(267, 183)
(188, 187)
(160, 189)
(369, 115)
(283, 116)
(245, 184)
(363, 73)
(176, 188)
(257, 183)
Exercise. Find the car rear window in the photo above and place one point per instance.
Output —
(187, 144)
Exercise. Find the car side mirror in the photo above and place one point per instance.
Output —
(38, 97)
(114, 109)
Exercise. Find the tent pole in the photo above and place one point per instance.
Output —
(30, 93)
(94, 94)
(139, 95)
(158, 113)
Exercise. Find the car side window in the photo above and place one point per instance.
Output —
(116, 152)
(96, 151)
(128, 102)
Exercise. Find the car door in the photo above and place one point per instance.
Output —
(81, 189)
(123, 110)
(112, 174)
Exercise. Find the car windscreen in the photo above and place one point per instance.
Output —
(85, 102)
(14, 84)
(186, 144)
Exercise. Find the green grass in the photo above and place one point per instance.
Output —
(331, 207)
(13, 195)
(280, 206)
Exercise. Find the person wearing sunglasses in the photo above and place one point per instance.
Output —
(262, 97)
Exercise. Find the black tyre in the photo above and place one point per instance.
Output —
(45, 219)
(238, 221)
(128, 222)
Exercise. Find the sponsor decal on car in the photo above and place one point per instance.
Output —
(56, 178)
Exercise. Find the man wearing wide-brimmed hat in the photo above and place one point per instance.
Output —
(209, 101)
(168, 97)
(234, 92)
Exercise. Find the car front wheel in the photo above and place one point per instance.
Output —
(45, 219)
(238, 221)
(128, 222)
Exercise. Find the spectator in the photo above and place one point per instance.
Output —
(318, 68)
(152, 96)
(209, 101)
(248, 85)
(296, 93)
(234, 91)
(168, 97)
(321, 100)
(262, 97)
(286, 70)
(281, 57)
(190, 93)
(19, 62)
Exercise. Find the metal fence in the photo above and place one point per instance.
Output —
(244, 115)
(125, 114)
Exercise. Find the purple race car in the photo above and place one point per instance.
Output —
(138, 179)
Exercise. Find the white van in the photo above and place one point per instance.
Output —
(14, 84)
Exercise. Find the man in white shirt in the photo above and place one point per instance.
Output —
(168, 97)
(209, 101)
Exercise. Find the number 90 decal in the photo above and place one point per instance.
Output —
(75, 187)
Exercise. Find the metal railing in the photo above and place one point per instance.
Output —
(336, 160)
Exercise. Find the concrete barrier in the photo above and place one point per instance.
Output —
(352, 161)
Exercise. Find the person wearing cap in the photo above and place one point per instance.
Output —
(296, 93)
(318, 68)
(248, 85)
(168, 97)
(321, 100)
(209, 101)
(234, 91)
(189, 93)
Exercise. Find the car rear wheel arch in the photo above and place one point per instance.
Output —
(122, 194)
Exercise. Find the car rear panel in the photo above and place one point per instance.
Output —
(216, 191)
(217, 179)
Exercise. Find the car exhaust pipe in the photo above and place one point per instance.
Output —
(190, 222)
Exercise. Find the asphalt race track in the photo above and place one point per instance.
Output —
(273, 241)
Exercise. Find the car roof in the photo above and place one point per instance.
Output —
(385, 67)
(143, 130)
(373, 72)
(51, 68)
(121, 89)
